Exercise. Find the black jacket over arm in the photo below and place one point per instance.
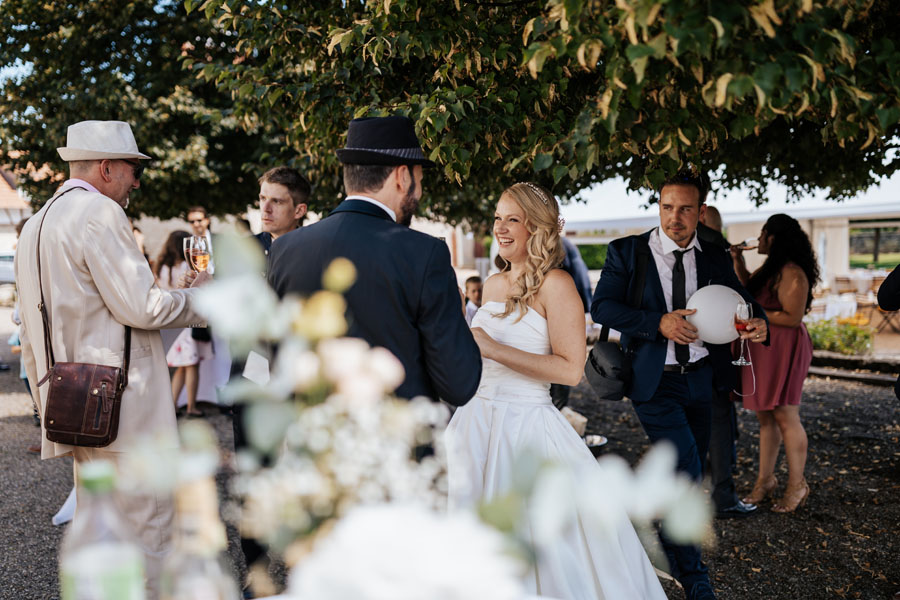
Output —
(889, 299)
(889, 292)
(406, 297)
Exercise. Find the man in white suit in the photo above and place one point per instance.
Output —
(95, 282)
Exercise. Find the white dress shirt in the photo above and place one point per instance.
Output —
(663, 248)
(471, 309)
(75, 182)
(392, 214)
(211, 267)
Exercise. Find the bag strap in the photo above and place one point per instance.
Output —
(636, 293)
(45, 316)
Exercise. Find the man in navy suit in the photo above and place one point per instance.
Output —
(406, 297)
(671, 387)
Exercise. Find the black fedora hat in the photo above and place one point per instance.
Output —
(383, 141)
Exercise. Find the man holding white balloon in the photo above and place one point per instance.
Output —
(671, 387)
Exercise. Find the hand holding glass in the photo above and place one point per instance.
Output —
(743, 312)
(196, 252)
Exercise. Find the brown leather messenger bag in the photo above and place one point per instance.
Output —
(84, 400)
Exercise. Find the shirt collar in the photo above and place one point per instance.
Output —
(75, 182)
(380, 205)
(669, 246)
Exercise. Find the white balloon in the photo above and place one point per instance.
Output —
(714, 318)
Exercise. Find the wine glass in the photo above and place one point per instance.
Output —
(743, 312)
(185, 246)
(749, 244)
(196, 251)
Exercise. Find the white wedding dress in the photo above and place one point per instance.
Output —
(512, 414)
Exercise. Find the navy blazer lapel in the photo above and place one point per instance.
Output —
(701, 259)
(653, 283)
(362, 207)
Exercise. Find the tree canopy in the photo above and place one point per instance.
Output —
(572, 92)
(113, 59)
(563, 92)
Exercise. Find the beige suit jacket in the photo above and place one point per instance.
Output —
(95, 282)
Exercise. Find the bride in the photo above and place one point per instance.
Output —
(530, 329)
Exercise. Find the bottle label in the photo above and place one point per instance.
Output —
(103, 572)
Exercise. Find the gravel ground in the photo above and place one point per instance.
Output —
(843, 544)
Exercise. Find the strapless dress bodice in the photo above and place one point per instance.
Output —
(529, 334)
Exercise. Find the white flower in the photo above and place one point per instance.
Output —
(296, 369)
(342, 358)
(688, 518)
(656, 482)
(552, 506)
(235, 307)
(404, 552)
(237, 255)
(384, 365)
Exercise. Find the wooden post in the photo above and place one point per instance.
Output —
(875, 246)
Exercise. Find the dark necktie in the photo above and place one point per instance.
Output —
(682, 353)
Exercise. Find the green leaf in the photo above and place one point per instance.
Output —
(887, 116)
(274, 95)
(640, 66)
(559, 171)
(636, 51)
(740, 86)
(542, 161)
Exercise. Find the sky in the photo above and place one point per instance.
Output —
(612, 200)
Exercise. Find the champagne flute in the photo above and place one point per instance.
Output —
(185, 246)
(197, 252)
(743, 312)
(749, 244)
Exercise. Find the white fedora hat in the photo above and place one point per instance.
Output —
(96, 140)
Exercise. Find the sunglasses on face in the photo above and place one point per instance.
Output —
(192, 221)
(136, 167)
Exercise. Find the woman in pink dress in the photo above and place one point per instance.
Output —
(783, 286)
(185, 353)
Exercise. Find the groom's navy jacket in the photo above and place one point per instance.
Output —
(406, 297)
(610, 307)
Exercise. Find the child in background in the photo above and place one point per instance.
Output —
(16, 347)
(473, 297)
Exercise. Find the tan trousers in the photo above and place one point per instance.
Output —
(150, 517)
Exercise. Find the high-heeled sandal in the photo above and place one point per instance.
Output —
(794, 498)
(761, 491)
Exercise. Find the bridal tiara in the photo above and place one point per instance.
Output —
(543, 196)
(540, 193)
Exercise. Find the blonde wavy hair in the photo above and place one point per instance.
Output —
(545, 249)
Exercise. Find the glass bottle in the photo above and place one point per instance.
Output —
(98, 559)
(197, 569)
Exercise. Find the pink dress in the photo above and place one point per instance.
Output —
(780, 367)
(185, 350)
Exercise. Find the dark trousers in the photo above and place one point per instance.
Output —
(253, 550)
(680, 412)
(721, 450)
(559, 394)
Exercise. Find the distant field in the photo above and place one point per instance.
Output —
(885, 261)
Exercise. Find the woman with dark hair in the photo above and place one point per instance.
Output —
(170, 257)
(783, 286)
(185, 353)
